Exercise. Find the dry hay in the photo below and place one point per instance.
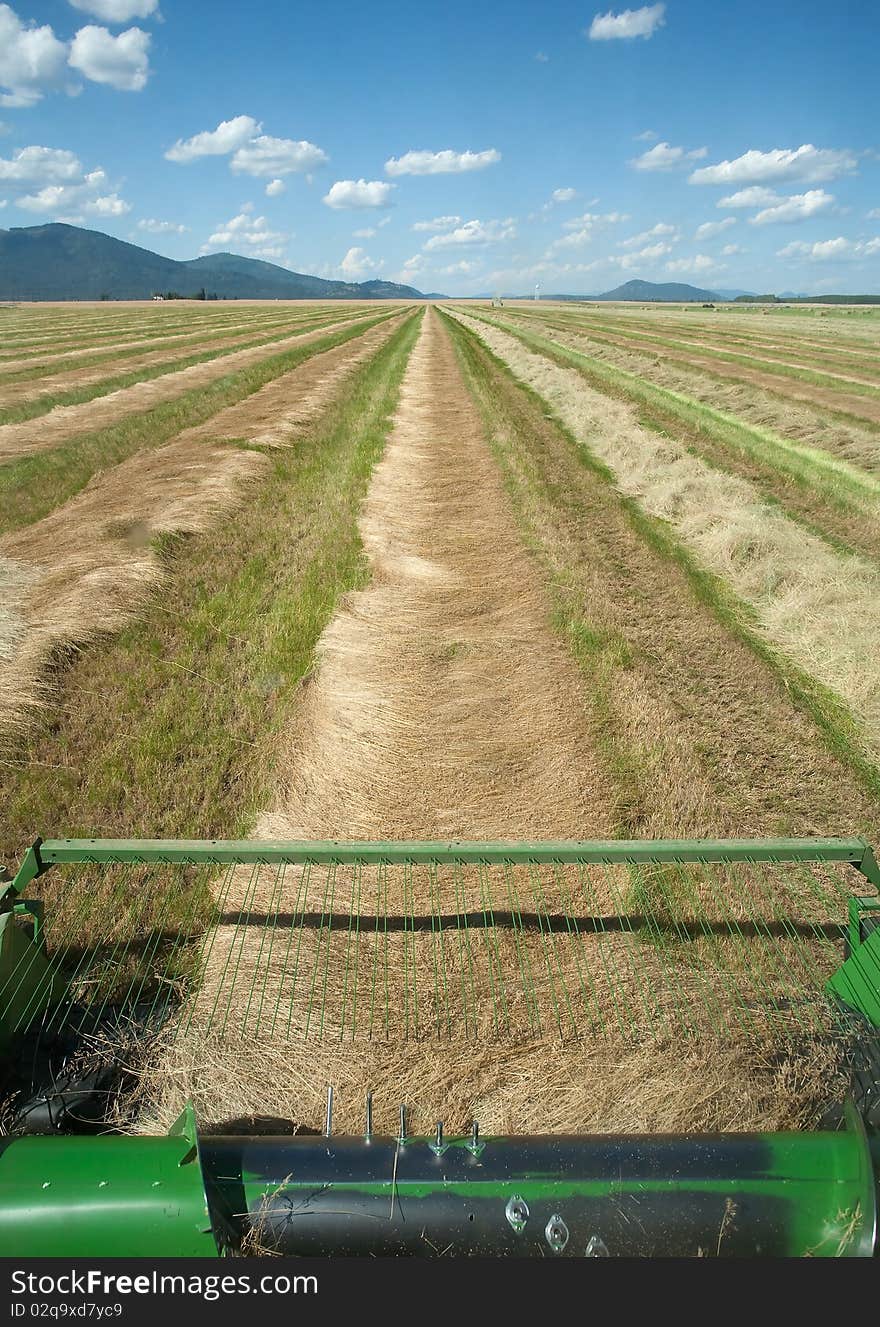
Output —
(860, 447)
(91, 564)
(444, 707)
(800, 589)
(65, 422)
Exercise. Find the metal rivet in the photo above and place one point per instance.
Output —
(596, 1248)
(556, 1232)
(517, 1212)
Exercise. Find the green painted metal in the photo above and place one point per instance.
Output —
(857, 981)
(607, 852)
(105, 1196)
(26, 977)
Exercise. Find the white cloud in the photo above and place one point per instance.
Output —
(827, 250)
(356, 263)
(647, 137)
(796, 208)
(730, 249)
(245, 231)
(664, 157)
(277, 156)
(755, 196)
(813, 165)
(710, 228)
(464, 268)
(438, 223)
(446, 162)
(662, 229)
(366, 234)
(227, 137)
(630, 23)
(563, 195)
(590, 219)
(473, 233)
(274, 188)
(116, 11)
(84, 197)
(32, 60)
(358, 193)
(161, 227)
(122, 62)
(701, 262)
(651, 253)
(40, 165)
(874, 214)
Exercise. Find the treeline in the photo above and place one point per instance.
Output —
(808, 299)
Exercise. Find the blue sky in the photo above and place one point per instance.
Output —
(461, 148)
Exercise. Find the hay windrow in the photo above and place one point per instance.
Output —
(799, 588)
(443, 706)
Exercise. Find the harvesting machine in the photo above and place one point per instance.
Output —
(103, 942)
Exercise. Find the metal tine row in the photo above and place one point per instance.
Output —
(438, 1145)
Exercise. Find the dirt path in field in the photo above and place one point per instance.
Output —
(88, 566)
(70, 378)
(443, 706)
(65, 422)
(864, 407)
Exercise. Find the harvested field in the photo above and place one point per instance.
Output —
(423, 582)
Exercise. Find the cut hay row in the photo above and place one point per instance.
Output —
(88, 568)
(798, 588)
(837, 394)
(38, 366)
(28, 398)
(795, 351)
(798, 423)
(35, 484)
(49, 431)
(825, 492)
(444, 706)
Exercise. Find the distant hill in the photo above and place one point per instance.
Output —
(59, 262)
(650, 290)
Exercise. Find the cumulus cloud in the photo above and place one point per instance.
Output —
(665, 157)
(229, 135)
(43, 165)
(755, 196)
(117, 11)
(589, 219)
(473, 233)
(245, 231)
(628, 24)
(277, 156)
(446, 162)
(274, 188)
(730, 249)
(121, 62)
(438, 223)
(84, 198)
(366, 234)
(647, 137)
(812, 165)
(651, 253)
(661, 230)
(32, 60)
(356, 264)
(463, 268)
(563, 195)
(796, 208)
(710, 228)
(346, 194)
(701, 262)
(828, 250)
(155, 227)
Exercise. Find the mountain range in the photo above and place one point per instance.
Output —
(61, 262)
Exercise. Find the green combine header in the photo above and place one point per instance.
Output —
(425, 942)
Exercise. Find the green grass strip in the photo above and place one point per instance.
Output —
(36, 484)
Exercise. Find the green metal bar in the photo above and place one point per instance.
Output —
(853, 850)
